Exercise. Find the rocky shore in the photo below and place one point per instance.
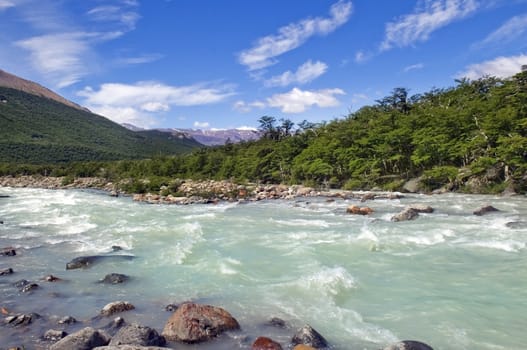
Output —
(191, 191)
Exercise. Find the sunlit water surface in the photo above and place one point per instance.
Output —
(451, 279)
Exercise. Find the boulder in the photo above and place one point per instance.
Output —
(135, 334)
(21, 320)
(114, 278)
(303, 347)
(408, 345)
(512, 224)
(67, 320)
(25, 286)
(405, 215)
(308, 336)
(8, 251)
(367, 196)
(192, 323)
(129, 347)
(88, 261)
(51, 278)
(485, 210)
(421, 208)
(115, 325)
(354, 209)
(85, 339)
(277, 322)
(7, 271)
(54, 335)
(264, 343)
(116, 307)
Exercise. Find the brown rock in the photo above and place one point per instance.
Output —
(303, 347)
(354, 209)
(264, 343)
(485, 210)
(421, 208)
(409, 345)
(192, 323)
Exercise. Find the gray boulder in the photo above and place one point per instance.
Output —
(85, 339)
(405, 215)
(7, 271)
(115, 278)
(135, 334)
(408, 345)
(485, 210)
(308, 336)
(116, 307)
(129, 347)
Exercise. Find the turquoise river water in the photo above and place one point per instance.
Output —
(450, 279)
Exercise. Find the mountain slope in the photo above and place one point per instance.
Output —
(36, 129)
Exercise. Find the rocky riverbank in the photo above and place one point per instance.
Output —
(191, 191)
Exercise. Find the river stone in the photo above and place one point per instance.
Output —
(67, 320)
(7, 271)
(135, 334)
(354, 209)
(51, 278)
(277, 322)
(264, 343)
(116, 307)
(88, 261)
(421, 208)
(303, 347)
(485, 210)
(129, 347)
(114, 278)
(192, 323)
(409, 345)
(308, 336)
(54, 335)
(85, 339)
(8, 251)
(21, 320)
(405, 215)
(512, 224)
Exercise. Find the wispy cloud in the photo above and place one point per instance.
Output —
(246, 107)
(501, 67)
(5, 4)
(263, 53)
(201, 125)
(135, 103)
(514, 28)
(59, 56)
(412, 67)
(124, 15)
(298, 101)
(418, 26)
(142, 59)
(304, 74)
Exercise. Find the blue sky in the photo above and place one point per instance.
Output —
(226, 63)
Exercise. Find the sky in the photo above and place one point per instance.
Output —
(217, 64)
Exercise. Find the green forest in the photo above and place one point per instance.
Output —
(36, 129)
(471, 137)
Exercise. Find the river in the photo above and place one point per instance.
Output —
(451, 279)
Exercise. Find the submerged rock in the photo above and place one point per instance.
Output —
(485, 210)
(114, 278)
(308, 336)
(405, 215)
(409, 345)
(54, 335)
(354, 209)
(67, 320)
(85, 339)
(7, 271)
(116, 307)
(8, 251)
(88, 261)
(25, 286)
(135, 334)
(517, 224)
(277, 322)
(21, 320)
(129, 347)
(421, 208)
(264, 343)
(193, 323)
(51, 278)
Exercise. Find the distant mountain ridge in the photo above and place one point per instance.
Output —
(9, 80)
(211, 137)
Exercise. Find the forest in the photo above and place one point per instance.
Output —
(471, 137)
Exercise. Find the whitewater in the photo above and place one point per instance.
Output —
(450, 279)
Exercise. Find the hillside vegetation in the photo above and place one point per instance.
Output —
(39, 130)
(471, 137)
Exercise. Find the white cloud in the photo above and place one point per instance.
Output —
(5, 4)
(298, 101)
(514, 28)
(246, 128)
(137, 102)
(418, 26)
(416, 66)
(147, 58)
(126, 16)
(245, 107)
(304, 74)
(201, 125)
(501, 67)
(263, 53)
(59, 56)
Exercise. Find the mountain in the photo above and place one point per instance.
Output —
(12, 81)
(39, 127)
(214, 137)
